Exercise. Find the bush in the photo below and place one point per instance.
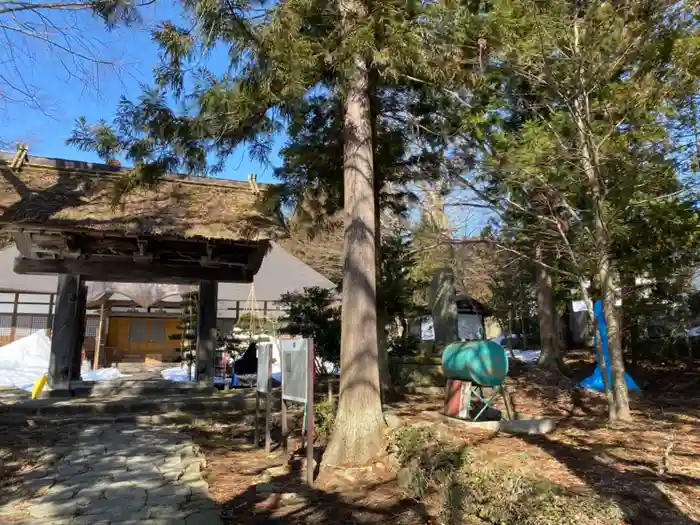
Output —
(423, 460)
(497, 496)
(469, 494)
(324, 419)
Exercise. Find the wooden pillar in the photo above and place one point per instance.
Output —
(206, 324)
(65, 332)
(98, 359)
(13, 321)
(81, 317)
(49, 321)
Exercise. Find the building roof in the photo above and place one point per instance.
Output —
(79, 196)
(467, 304)
(279, 273)
(11, 281)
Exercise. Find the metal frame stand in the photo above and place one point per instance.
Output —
(469, 390)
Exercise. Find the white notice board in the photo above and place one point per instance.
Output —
(427, 330)
(264, 366)
(294, 354)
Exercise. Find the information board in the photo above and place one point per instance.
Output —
(295, 368)
(264, 366)
(427, 330)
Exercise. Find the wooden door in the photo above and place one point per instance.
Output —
(156, 340)
(117, 339)
(140, 339)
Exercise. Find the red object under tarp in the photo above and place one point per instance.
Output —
(453, 397)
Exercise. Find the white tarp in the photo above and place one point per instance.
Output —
(143, 294)
(24, 361)
(526, 356)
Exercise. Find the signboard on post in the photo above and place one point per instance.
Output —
(263, 386)
(294, 354)
(297, 356)
(264, 367)
(427, 329)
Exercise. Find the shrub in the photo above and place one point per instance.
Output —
(324, 418)
(424, 461)
(468, 494)
(495, 496)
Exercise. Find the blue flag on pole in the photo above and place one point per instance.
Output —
(595, 381)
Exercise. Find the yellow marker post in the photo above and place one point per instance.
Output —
(39, 386)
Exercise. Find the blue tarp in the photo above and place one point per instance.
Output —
(595, 381)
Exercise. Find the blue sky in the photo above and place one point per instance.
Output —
(67, 89)
(61, 99)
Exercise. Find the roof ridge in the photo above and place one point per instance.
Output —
(35, 161)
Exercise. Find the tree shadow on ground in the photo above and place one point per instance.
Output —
(639, 494)
(301, 504)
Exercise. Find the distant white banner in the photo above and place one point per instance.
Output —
(427, 330)
(579, 306)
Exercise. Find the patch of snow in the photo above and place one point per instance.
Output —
(103, 374)
(501, 339)
(178, 373)
(527, 356)
(24, 361)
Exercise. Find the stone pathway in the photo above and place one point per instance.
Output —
(109, 474)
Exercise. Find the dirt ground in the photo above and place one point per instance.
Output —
(650, 467)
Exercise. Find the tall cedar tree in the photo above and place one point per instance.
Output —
(313, 179)
(281, 55)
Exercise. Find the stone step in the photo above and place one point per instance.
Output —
(198, 404)
(164, 419)
(118, 387)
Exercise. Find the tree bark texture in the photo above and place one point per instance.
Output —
(549, 339)
(358, 436)
(382, 318)
(611, 293)
(607, 273)
(444, 306)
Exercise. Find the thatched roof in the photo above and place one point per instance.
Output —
(323, 252)
(79, 196)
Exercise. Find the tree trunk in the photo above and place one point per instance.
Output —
(382, 320)
(443, 305)
(602, 363)
(383, 349)
(549, 340)
(607, 273)
(509, 340)
(611, 293)
(523, 321)
(358, 435)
